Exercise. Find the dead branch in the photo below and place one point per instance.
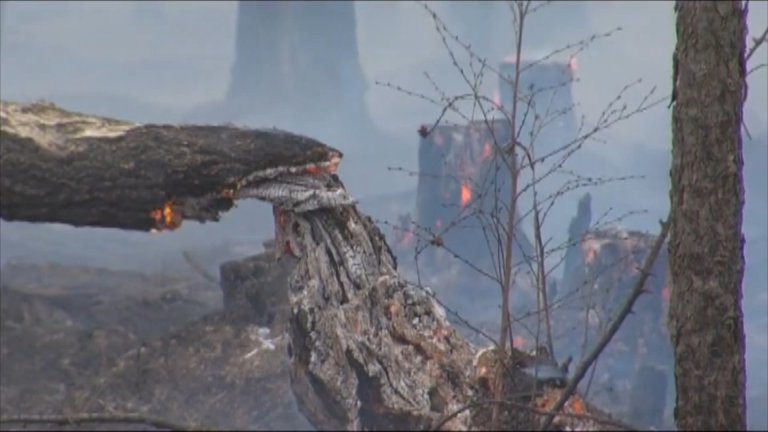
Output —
(83, 170)
(198, 268)
(625, 310)
(756, 42)
(90, 418)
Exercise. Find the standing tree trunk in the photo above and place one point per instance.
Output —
(707, 196)
(298, 59)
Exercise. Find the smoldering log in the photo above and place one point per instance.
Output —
(84, 170)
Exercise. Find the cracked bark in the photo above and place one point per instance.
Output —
(706, 245)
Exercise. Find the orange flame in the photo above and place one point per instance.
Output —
(165, 218)
(168, 214)
(576, 406)
(466, 195)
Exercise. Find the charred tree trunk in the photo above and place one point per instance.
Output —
(297, 57)
(83, 170)
(707, 196)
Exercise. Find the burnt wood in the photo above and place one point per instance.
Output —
(82, 170)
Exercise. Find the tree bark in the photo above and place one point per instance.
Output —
(59, 166)
(707, 196)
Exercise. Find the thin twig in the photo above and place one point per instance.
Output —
(626, 308)
(756, 43)
(144, 419)
(198, 268)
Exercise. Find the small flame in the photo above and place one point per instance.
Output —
(466, 195)
(486, 151)
(168, 214)
(165, 218)
(576, 406)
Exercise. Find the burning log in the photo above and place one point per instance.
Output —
(367, 350)
(82, 170)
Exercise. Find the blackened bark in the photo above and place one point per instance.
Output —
(707, 197)
(59, 166)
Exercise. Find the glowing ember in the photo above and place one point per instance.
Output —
(165, 218)
(486, 151)
(465, 196)
(575, 406)
(168, 214)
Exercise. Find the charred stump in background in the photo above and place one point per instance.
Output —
(545, 91)
(459, 177)
(576, 230)
(295, 58)
(82, 170)
(636, 366)
(462, 183)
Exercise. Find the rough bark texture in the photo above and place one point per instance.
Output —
(59, 166)
(707, 196)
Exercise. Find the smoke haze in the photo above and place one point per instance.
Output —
(160, 61)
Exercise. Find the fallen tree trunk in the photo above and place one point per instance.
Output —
(83, 170)
(367, 350)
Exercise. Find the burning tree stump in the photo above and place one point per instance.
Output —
(636, 366)
(367, 350)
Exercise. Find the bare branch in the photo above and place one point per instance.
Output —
(756, 42)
